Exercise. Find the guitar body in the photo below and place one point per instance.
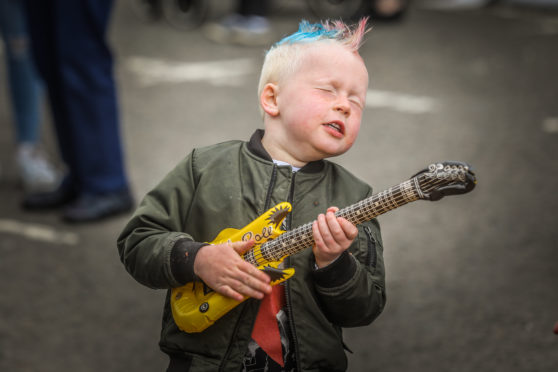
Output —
(196, 307)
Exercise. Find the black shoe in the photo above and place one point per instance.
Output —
(93, 207)
(63, 195)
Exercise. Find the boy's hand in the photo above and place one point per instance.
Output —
(222, 269)
(332, 236)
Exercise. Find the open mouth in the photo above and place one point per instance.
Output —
(336, 126)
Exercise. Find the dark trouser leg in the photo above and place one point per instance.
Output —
(254, 7)
(76, 63)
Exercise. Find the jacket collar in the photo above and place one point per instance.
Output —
(255, 146)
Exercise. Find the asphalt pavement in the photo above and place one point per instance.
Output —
(472, 280)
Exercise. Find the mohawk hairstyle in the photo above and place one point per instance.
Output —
(350, 36)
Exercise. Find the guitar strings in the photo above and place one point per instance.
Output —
(391, 199)
(387, 200)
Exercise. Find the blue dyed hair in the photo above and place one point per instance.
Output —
(308, 32)
(328, 30)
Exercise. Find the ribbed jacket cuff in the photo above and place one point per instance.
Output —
(183, 255)
(337, 273)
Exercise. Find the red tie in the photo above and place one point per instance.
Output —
(266, 330)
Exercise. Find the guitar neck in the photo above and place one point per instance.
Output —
(294, 241)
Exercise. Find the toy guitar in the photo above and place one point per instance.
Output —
(196, 307)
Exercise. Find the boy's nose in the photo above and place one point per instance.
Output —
(343, 106)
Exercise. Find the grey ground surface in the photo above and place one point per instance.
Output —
(472, 280)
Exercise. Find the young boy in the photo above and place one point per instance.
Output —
(312, 92)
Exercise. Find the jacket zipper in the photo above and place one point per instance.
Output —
(270, 188)
(288, 301)
(266, 207)
(372, 257)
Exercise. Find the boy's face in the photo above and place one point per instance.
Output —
(320, 105)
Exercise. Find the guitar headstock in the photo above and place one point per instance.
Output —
(445, 178)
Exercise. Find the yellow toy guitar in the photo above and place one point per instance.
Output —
(196, 307)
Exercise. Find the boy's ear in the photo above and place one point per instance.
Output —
(268, 99)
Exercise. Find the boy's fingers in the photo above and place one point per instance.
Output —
(350, 230)
(229, 292)
(257, 286)
(325, 231)
(252, 283)
(316, 234)
(241, 284)
(245, 289)
(336, 229)
(248, 273)
(242, 247)
(253, 272)
(332, 209)
(333, 223)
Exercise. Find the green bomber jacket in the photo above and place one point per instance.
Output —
(229, 185)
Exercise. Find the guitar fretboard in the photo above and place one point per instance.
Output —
(296, 240)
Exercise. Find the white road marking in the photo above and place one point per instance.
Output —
(38, 232)
(400, 102)
(151, 71)
(550, 125)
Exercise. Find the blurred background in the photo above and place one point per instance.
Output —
(472, 280)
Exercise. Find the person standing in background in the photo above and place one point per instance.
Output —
(68, 39)
(34, 169)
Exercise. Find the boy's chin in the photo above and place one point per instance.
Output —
(331, 153)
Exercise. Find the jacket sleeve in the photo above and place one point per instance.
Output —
(152, 246)
(351, 290)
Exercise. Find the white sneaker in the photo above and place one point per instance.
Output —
(239, 29)
(255, 31)
(36, 172)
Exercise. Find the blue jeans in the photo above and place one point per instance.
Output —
(24, 85)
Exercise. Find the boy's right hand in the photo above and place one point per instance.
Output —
(223, 270)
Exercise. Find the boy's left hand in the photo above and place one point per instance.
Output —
(332, 236)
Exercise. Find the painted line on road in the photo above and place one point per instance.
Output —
(38, 232)
(400, 102)
(152, 71)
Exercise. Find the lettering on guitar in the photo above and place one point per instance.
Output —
(267, 232)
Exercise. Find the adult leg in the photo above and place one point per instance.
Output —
(89, 94)
(35, 171)
(71, 50)
(254, 7)
(22, 77)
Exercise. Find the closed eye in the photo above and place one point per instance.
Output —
(326, 89)
(357, 102)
